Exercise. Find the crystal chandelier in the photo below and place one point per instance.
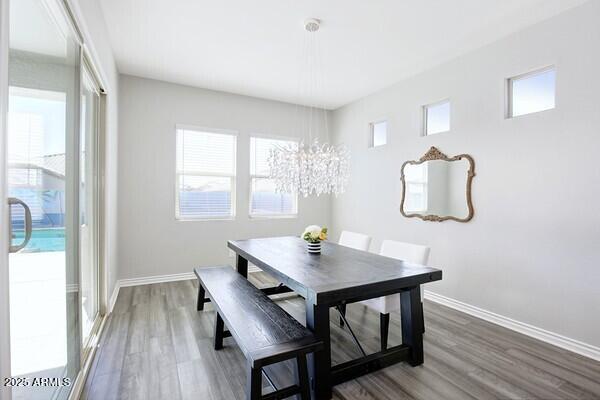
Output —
(310, 168)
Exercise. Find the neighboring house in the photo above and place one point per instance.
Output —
(41, 185)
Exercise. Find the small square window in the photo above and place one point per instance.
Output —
(436, 118)
(378, 133)
(532, 92)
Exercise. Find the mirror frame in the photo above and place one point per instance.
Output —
(434, 154)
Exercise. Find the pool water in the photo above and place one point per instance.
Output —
(42, 240)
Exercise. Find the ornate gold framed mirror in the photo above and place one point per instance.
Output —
(437, 187)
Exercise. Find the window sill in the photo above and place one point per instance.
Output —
(529, 113)
(286, 216)
(435, 133)
(204, 219)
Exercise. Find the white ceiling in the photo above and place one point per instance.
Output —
(259, 47)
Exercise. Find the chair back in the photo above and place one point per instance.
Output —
(413, 253)
(355, 240)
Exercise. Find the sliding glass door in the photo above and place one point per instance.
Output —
(88, 204)
(52, 168)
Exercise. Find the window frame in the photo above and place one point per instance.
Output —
(232, 177)
(372, 132)
(252, 177)
(425, 112)
(508, 84)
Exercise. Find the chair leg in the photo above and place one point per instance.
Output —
(342, 308)
(219, 328)
(200, 305)
(254, 384)
(384, 327)
(302, 378)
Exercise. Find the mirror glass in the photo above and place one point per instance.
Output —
(436, 187)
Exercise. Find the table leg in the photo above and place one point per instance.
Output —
(412, 324)
(317, 320)
(241, 265)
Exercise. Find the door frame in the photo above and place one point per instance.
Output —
(86, 53)
(5, 392)
(88, 345)
(89, 57)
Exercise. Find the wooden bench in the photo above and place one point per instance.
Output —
(265, 333)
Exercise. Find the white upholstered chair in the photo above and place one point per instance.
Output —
(355, 240)
(412, 253)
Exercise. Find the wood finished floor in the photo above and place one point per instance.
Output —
(157, 346)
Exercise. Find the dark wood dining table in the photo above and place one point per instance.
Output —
(341, 275)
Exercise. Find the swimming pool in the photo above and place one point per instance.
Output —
(42, 240)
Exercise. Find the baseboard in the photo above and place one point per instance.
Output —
(113, 297)
(147, 281)
(552, 338)
(156, 279)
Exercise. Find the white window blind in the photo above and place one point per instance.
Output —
(205, 174)
(264, 199)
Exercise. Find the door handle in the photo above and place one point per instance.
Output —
(13, 201)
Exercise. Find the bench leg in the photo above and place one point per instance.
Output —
(302, 378)
(254, 384)
(219, 328)
(201, 294)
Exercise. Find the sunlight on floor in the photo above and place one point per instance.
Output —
(38, 311)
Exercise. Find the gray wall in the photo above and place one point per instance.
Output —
(532, 251)
(151, 241)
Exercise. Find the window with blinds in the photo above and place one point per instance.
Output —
(265, 201)
(205, 187)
